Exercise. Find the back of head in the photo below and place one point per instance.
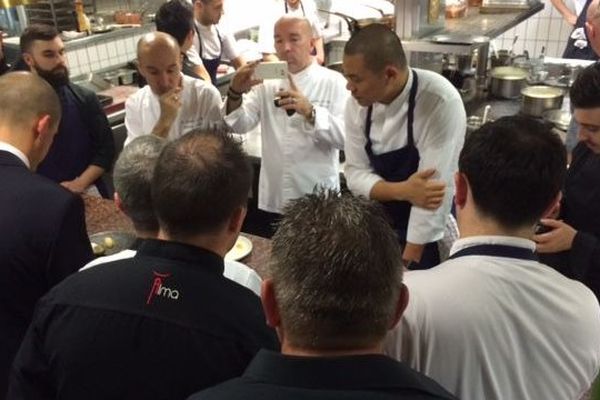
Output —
(199, 182)
(336, 270)
(132, 177)
(175, 17)
(24, 99)
(515, 167)
(379, 46)
(36, 32)
(585, 91)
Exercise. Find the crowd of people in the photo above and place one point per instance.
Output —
(358, 301)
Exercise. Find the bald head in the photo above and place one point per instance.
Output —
(25, 99)
(302, 24)
(157, 45)
(592, 25)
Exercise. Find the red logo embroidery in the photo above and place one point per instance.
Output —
(158, 289)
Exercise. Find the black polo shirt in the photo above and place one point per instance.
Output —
(275, 376)
(161, 325)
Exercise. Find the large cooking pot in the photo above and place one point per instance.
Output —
(507, 82)
(537, 99)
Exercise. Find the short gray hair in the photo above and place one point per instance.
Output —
(336, 267)
(132, 178)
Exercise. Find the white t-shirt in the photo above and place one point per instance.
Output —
(489, 327)
(201, 108)
(211, 45)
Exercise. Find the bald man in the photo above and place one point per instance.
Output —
(42, 224)
(592, 25)
(301, 121)
(171, 103)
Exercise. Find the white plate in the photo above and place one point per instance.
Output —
(241, 248)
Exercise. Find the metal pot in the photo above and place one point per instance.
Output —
(354, 25)
(507, 82)
(537, 99)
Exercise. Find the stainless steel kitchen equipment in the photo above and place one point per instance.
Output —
(537, 99)
(59, 13)
(507, 82)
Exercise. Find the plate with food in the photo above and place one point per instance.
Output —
(111, 242)
(241, 248)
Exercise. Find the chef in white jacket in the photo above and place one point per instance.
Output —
(405, 129)
(299, 151)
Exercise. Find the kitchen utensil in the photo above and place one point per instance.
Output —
(560, 118)
(537, 99)
(512, 46)
(507, 82)
(486, 113)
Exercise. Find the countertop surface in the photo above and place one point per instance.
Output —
(102, 215)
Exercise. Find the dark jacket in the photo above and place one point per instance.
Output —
(275, 376)
(42, 240)
(161, 325)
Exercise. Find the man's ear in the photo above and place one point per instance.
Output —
(390, 72)
(553, 208)
(462, 189)
(43, 127)
(28, 58)
(269, 303)
(237, 219)
(119, 203)
(400, 305)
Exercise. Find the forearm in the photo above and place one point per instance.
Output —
(562, 8)
(91, 174)
(388, 191)
(162, 127)
(202, 73)
(412, 252)
(320, 56)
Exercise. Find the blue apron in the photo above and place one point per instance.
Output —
(72, 149)
(571, 51)
(210, 65)
(496, 250)
(397, 166)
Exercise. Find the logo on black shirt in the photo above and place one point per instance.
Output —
(158, 289)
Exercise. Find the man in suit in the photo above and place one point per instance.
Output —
(43, 237)
(84, 148)
(165, 323)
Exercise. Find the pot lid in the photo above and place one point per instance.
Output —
(509, 73)
(541, 92)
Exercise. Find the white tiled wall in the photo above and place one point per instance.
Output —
(546, 28)
(102, 55)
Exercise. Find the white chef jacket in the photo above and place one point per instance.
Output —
(438, 130)
(201, 105)
(296, 156)
(266, 40)
(499, 328)
(211, 46)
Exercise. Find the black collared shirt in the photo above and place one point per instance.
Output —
(161, 325)
(275, 376)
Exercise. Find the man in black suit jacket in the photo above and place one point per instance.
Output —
(42, 225)
(84, 147)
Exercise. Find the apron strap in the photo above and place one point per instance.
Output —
(496, 250)
(411, 116)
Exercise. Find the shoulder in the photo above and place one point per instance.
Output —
(433, 86)
(138, 96)
(85, 95)
(200, 86)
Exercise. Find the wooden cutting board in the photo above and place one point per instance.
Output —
(119, 94)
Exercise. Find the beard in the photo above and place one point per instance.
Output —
(56, 77)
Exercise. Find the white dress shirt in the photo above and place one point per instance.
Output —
(201, 108)
(16, 152)
(296, 156)
(266, 41)
(438, 130)
(211, 45)
(488, 327)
